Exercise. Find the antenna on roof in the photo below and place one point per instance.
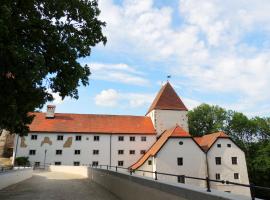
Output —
(168, 77)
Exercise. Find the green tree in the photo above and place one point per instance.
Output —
(206, 119)
(40, 44)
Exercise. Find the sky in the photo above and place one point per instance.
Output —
(217, 52)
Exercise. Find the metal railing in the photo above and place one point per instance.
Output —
(206, 179)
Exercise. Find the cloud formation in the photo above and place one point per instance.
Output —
(212, 46)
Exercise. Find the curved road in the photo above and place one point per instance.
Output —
(56, 186)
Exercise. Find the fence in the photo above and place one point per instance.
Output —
(206, 179)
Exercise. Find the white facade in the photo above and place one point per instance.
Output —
(167, 119)
(226, 149)
(106, 149)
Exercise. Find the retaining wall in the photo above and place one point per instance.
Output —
(10, 177)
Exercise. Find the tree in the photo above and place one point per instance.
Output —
(206, 119)
(40, 44)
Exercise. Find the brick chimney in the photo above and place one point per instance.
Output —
(50, 111)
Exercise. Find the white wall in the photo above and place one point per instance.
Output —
(86, 145)
(80, 170)
(14, 176)
(167, 119)
(147, 167)
(227, 169)
(194, 161)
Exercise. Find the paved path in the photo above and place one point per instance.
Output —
(56, 186)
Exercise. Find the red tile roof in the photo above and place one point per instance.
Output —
(208, 140)
(167, 99)
(90, 123)
(174, 132)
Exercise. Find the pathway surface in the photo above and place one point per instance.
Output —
(56, 186)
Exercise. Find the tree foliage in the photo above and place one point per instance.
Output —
(251, 134)
(40, 44)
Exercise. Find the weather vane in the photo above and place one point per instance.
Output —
(168, 77)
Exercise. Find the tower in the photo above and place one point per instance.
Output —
(167, 110)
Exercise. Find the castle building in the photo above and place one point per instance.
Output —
(158, 141)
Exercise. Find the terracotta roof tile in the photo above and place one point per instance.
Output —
(91, 123)
(208, 140)
(174, 132)
(167, 99)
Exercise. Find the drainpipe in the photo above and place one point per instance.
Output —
(111, 150)
(207, 167)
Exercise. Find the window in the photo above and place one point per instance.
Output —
(179, 161)
(142, 151)
(219, 145)
(96, 138)
(77, 152)
(149, 162)
(120, 138)
(37, 164)
(120, 151)
(229, 145)
(236, 176)
(59, 152)
(218, 160)
(78, 138)
(60, 137)
(33, 137)
(143, 138)
(181, 179)
(234, 160)
(217, 176)
(120, 163)
(95, 152)
(32, 152)
(131, 151)
(181, 143)
(132, 138)
(58, 163)
(76, 163)
(95, 163)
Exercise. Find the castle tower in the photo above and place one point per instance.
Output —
(167, 110)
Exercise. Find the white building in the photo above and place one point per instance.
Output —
(158, 142)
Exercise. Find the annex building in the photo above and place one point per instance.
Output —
(158, 141)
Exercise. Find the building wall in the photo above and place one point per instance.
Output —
(127, 145)
(194, 161)
(86, 146)
(227, 169)
(166, 119)
(147, 167)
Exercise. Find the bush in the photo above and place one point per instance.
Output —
(22, 161)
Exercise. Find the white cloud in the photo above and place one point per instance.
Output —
(117, 73)
(113, 98)
(57, 98)
(208, 48)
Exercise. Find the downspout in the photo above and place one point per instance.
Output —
(111, 150)
(207, 166)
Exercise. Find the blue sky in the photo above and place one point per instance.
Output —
(218, 52)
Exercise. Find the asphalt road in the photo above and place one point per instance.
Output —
(56, 186)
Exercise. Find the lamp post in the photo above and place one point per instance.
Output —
(45, 153)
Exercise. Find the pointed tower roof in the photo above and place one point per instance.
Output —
(167, 99)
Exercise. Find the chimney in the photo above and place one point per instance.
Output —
(50, 111)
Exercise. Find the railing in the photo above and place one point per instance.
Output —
(206, 179)
(7, 169)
